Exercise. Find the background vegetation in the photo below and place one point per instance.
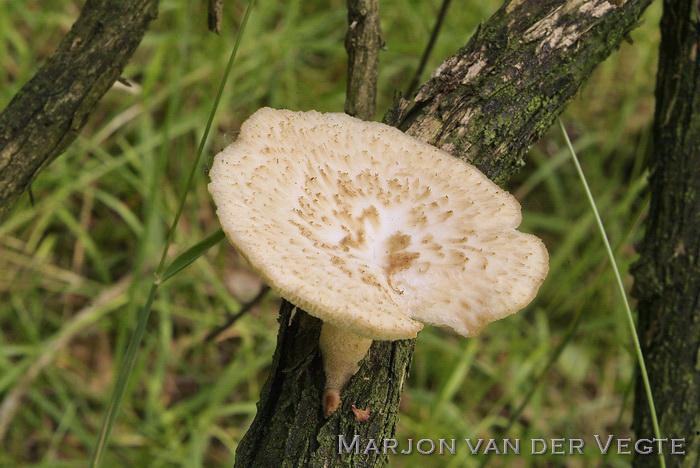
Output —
(76, 265)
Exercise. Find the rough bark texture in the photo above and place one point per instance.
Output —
(667, 277)
(362, 42)
(496, 97)
(289, 430)
(49, 111)
(489, 103)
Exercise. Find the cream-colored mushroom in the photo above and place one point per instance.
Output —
(372, 231)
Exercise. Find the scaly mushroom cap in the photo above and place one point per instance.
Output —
(370, 229)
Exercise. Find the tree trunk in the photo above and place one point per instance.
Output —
(487, 104)
(49, 111)
(667, 276)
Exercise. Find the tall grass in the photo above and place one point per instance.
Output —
(163, 273)
(102, 213)
(621, 289)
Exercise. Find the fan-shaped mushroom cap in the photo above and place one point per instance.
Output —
(370, 229)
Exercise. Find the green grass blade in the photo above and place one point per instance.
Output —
(120, 387)
(203, 141)
(135, 342)
(192, 254)
(618, 278)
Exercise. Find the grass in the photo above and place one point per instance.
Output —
(75, 268)
(643, 375)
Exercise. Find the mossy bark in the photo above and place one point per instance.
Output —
(667, 276)
(49, 111)
(490, 102)
(487, 104)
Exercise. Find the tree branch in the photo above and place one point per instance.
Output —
(667, 275)
(362, 43)
(488, 103)
(415, 81)
(49, 111)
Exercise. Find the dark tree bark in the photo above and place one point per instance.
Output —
(362, 42)
(667, 276)
(49, 111)
(488, 104)
(216, 12)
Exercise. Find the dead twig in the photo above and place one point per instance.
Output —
(212, 335)
(429, 47)
(216, 11)
(363, 41)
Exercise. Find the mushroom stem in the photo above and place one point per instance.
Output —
(342, 352)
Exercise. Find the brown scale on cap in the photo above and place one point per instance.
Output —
(372, 231)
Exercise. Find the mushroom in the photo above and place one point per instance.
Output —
(372, 231)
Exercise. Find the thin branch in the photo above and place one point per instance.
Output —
(363, 41)
(212, 335)
(216, 12)
(429, 47)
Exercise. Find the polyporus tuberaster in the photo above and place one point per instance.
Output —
(372, 231)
